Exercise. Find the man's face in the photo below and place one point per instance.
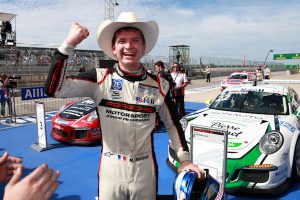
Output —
(176, 67)
(157, 68)
(129, 48)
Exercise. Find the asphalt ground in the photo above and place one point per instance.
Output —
(79, 164)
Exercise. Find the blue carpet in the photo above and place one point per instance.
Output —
(79, 165)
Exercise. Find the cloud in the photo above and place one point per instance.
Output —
(210, 27)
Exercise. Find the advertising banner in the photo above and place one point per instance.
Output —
(33, 93)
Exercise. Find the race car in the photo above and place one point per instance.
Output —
(235, 78)
(262, 123)
(77, 123)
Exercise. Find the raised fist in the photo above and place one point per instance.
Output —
(77, 34)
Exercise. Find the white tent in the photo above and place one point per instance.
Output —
(11, 37)
(6, 16)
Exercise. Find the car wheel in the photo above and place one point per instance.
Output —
(295, 175)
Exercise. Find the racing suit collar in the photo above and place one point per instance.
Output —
(130, 77)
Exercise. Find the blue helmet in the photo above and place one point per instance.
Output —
(187, 187)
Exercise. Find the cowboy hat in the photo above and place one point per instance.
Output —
(107, 29)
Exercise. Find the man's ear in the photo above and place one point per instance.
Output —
(113, 48)
(144, 48)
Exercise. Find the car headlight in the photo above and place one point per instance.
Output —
(92, 116)
(271, 142)
(184, 123)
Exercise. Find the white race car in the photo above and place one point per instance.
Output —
(235, 78)
(263, 122)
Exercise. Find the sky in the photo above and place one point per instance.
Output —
(213, 28)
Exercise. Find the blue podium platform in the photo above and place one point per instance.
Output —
(79, 165)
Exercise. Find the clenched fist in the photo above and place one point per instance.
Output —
(77, 34)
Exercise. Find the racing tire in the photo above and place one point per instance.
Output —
(295, 174)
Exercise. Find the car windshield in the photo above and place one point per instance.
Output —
(251, 102)
(78, 109)
(238, 76)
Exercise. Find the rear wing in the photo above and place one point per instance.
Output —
(282, 81)
(254, 79)
(261, 82)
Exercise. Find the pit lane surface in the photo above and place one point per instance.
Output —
(79, 165)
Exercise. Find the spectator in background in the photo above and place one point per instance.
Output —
(5, 28)
(267, 72)
(38, 185)
(82, 68)
(259, 73)
(181, 81)
(160, 70)
(4, 80)
(208, 72)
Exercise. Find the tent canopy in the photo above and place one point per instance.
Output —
(6, 16)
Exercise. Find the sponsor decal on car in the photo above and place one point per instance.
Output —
(287, 125)
(234, 144)
(235, 131)
(281, 172)
(58, 127)
(60, 121)
(95, 133)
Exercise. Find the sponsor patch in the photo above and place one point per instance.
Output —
(116, 95)
(146, 100)
(116, 84)
(146, 94)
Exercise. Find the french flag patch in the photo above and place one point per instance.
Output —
(120, 157)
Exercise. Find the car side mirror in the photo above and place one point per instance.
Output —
(209, 101)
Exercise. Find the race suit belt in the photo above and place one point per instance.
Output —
(129, 158)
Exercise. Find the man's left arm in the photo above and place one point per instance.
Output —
(171, 119)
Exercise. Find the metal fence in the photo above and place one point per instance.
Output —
(32, 65)
(18, 107)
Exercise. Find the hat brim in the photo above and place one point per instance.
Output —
(107, 29)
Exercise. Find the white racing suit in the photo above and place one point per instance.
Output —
(126, 106)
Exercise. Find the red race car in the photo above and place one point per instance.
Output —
(235, 78)
(77, 123)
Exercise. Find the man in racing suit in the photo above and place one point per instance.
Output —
(127, 98)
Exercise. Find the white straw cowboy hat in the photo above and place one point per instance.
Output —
(107, 29)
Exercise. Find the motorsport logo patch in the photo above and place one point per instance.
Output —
(116, 84)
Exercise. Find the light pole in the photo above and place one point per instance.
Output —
(268, 55)
(109, 9)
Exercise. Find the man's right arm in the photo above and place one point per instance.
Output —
(57, 85)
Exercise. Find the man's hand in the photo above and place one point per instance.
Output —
(187, 165)
(38, 185)
(8, 166)
(77, 34)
